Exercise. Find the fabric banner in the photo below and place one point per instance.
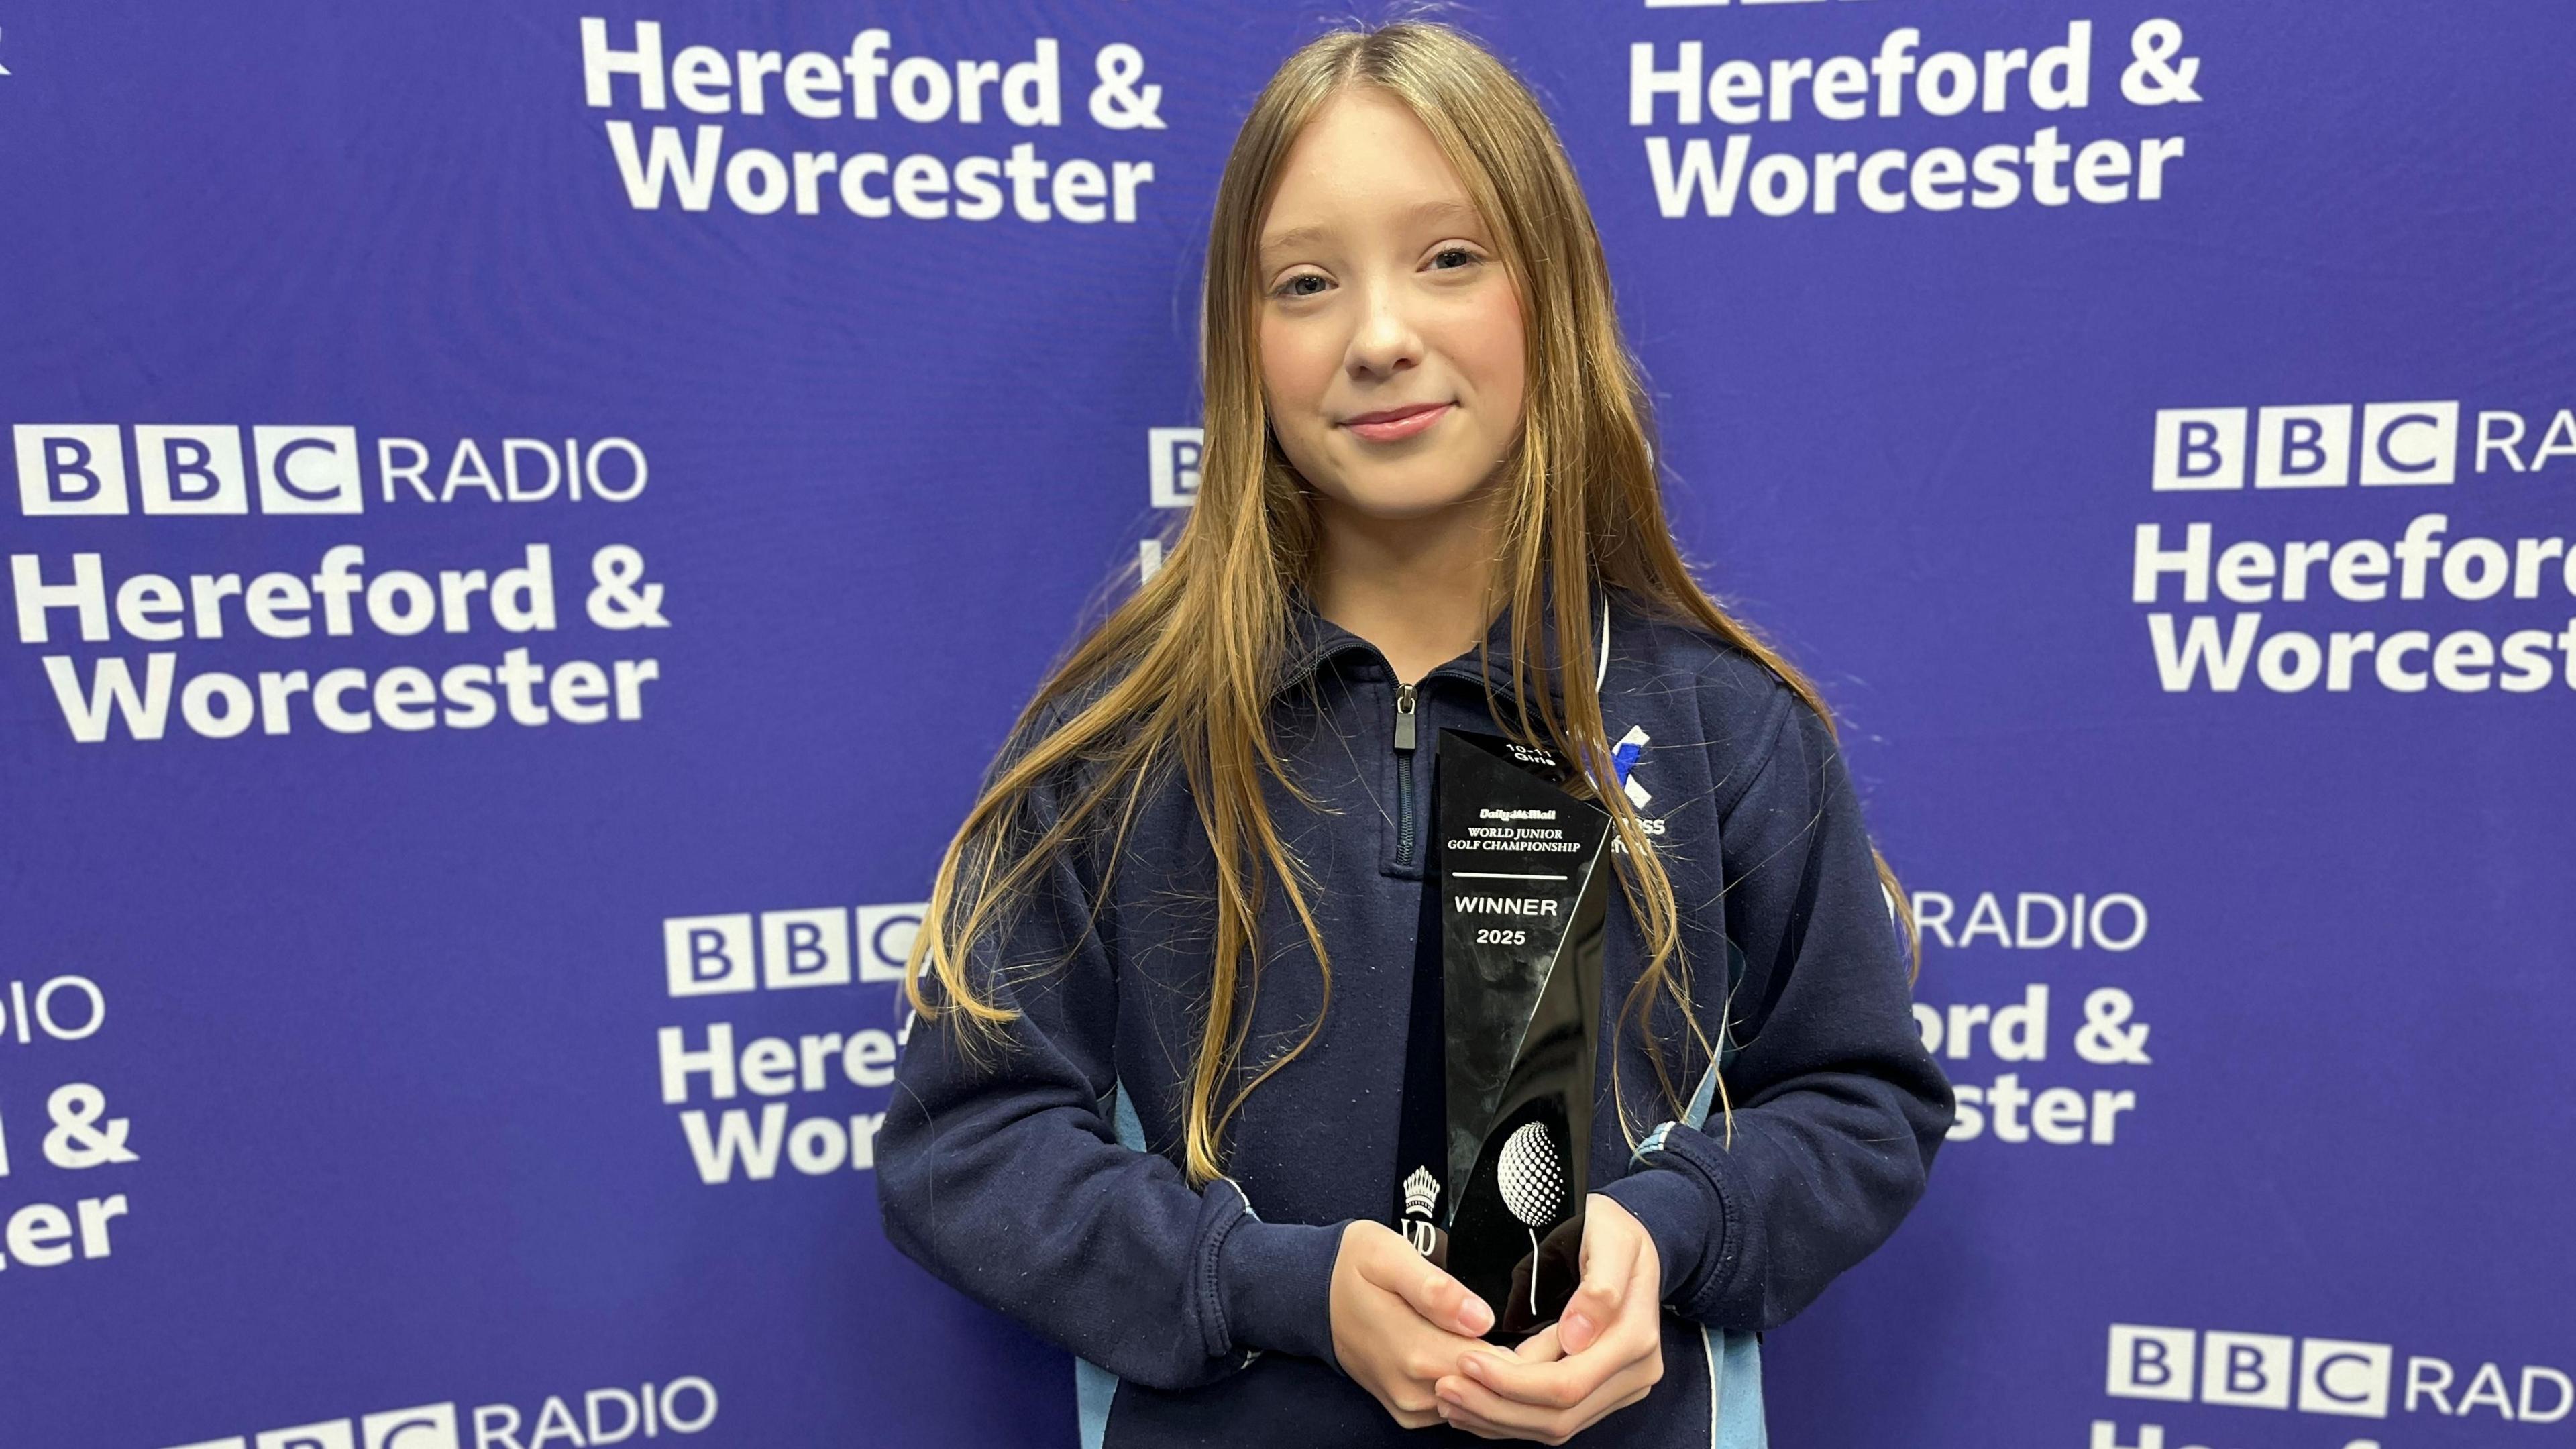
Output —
(525, 523)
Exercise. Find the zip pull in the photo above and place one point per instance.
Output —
(1405, 705)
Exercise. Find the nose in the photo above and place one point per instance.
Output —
(1385, 341)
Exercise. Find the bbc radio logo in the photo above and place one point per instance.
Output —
(2326, 1376)
(431, 1426)
(685, 1405)
(74, 469)
(2399, 444)
(786, 950)
(1697, 4)
(1173, 464)
(2250, 1370)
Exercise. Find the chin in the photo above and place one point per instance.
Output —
(1409, 492)
(1402, 501)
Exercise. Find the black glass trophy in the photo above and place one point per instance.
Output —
(1494, 1144)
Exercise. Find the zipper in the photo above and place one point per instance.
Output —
(1405, 706)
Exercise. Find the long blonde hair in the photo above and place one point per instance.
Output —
(1182, 671)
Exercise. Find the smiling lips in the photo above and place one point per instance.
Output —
(1390, 425)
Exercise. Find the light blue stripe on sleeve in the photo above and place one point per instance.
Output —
(1735, 1418)
(1094, 1387)
(1739, 1421)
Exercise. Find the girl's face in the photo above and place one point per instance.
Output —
(1391, 336)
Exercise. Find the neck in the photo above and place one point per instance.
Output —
(1413, 587)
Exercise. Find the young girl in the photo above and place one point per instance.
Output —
(1149, 1106)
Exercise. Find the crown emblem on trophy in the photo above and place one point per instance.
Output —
(1421, 1190)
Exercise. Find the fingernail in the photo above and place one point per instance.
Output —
(1575, 1332)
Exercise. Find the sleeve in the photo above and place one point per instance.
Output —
(1838, 1106)
(1004, 1178)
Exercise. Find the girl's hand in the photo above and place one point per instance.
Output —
(1398, 1322)
(1602, 1355)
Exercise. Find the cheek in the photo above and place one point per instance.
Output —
(1296, 366)
(1489, 350)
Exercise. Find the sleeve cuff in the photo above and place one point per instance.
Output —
(1675, 1211)
(1275, 1281)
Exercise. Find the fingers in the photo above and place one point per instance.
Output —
(1479, 1410)
(1401, 1356)
(1390, 1308)
(1468, 1405)
(1543, 1374)
(1560, 1384)
(1540, 1347)
(1439, 1298)
(1603, 1354)
(1411, 1418)
(1612, 1239)
(1426, 1365)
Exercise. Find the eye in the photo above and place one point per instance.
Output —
(1295, 287)
(1451, 259)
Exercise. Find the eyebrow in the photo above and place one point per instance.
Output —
(1420, 212)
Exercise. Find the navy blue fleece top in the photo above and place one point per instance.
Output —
(1020, 1181)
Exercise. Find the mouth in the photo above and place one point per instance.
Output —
(1394, 424)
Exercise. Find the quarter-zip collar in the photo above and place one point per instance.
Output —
(1312, 639)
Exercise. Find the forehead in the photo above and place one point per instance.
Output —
(1364, 159)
